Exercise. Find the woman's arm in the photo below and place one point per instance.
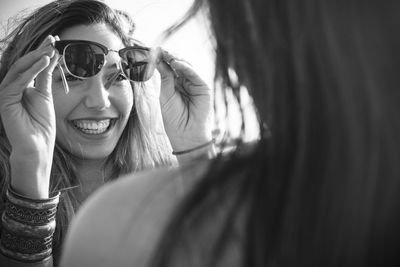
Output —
(27, 115)
(27, 228)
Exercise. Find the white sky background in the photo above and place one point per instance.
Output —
(152, 17)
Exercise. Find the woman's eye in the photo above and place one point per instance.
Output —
(120, 78)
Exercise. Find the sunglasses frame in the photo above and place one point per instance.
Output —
(62, 45)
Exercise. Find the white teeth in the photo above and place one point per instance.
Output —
(92, 126)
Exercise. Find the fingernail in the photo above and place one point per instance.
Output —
(52, 39)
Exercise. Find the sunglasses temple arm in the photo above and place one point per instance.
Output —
(64, 81)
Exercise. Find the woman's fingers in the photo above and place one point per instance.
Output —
(181, 67)
(27, 77)
(26, 69)
(44, 78)
(179, 78)
(176, 67)
(25, 63)
(49, 40)
(163, 67)
(12, 93)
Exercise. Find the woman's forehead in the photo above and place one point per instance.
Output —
(100, 33)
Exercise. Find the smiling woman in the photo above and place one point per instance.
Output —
(73, 118)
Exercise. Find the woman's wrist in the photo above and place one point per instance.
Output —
(206, 150)
(29, 184)
(28, 226)
(196, 148)
(30, 176)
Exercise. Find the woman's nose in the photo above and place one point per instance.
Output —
(97, 94)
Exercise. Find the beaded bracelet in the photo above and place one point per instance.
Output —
(193, 149)
(23, 248)
(28, 226)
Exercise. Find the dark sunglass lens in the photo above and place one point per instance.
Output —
(84, 60)
(137, 64)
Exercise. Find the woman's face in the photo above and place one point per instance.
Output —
(91, 118)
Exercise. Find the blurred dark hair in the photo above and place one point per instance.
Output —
(323, 187)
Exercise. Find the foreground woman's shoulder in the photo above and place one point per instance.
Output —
(121, 222)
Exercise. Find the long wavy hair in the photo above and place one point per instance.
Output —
(141, 145)
(321, 187)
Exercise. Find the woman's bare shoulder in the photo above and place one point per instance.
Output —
(121, 222)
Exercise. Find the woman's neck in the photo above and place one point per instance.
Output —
(91, 175)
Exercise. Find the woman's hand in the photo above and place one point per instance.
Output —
(186, 104)
(28, 117)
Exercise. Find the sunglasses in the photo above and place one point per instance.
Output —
(84, 59)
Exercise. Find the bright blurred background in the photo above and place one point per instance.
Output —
(152, 17)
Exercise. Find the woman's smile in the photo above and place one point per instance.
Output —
(92, 127)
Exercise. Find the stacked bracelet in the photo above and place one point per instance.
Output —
(28, 226)
(194, 148)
